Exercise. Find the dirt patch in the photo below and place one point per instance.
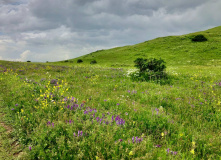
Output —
(9, 148)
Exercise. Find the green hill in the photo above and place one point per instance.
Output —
(175, 50)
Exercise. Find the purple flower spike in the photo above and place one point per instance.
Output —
(16, 105)
(120, 140)
(174, 153)
(158, 146)
(30, 148)
(133, 139)
(168, 150)
(74, 134)
(81, 133)
(52, 124)
(78, 133)
(12, 109)
(118, 104)
(136, 139)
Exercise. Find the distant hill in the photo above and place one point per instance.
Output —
(175, 50)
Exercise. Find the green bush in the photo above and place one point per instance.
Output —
(93, 62)
(199, 38)
(79, 61)
(149, 69)
(151, 65)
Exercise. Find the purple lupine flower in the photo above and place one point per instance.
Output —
(133, 139)
(30, 148)
(97, 119)
(52, 124)
(174, 153)
(93, 115)
(136, 139)
(112, 118)
(68, 106)
(85, 112)
(105, 100)
(74, 134)
(12, 109)
(48, 123)
(118, 104)
(158, 146)
(70, 121)
(168, 150)
(16, 105)
(78, 133)
(157, 110)
(81, 133)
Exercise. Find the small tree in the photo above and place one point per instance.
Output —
(93, 62)
(150, 69)
(199, 38)
(79, 61)
(152, 64)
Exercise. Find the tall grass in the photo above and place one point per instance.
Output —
(78, 112)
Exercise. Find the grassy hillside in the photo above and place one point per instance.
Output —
(65, 110)
(175, 50)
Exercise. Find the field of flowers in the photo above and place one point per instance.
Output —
(92, 112)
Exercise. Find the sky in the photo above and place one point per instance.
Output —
(55, 30)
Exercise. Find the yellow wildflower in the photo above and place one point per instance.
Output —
(193, 144)
(192, 151)
(131, 153)
(162, 134)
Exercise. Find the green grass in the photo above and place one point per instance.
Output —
(175, 50)
(66, 110)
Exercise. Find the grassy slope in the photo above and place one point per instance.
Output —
(194, 82)
(175, 50)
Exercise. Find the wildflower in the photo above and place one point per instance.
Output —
(12, 109)
(30, 148)
(133, 139)
(118, 104)
(174, 153)
(193, 144)
(162, 134)
(120, 140)
(192, 151)
(16, 105)
(168, 150)
(158, 146)
(157, 110)
(131, 153)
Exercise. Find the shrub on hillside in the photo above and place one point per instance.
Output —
(28, 61)
(79, 61)
(149, 69)
(199, 38)
(93, 62)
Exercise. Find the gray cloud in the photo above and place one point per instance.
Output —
(41, 30)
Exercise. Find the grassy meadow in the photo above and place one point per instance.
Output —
(66, 110)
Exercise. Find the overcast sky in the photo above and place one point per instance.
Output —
(53, 30)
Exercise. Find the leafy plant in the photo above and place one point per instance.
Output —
(199, 38)
(93, 62)
(79, 61)
(149, 69)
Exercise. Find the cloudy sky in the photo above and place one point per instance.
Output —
(52, 30)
